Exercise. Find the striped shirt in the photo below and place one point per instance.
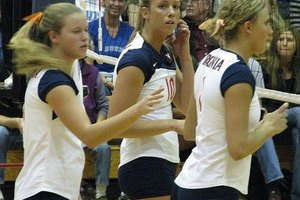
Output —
(295, 13)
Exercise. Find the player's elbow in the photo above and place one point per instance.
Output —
(189, 137)
(91, 143)
(236, 153)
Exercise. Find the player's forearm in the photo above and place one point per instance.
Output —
(146, 128)
(10, 122)
(186, 83)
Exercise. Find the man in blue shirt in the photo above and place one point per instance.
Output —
(115, 36)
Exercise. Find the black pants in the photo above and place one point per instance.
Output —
(46, 196)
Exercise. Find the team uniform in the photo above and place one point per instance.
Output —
(210, 164)
(53, 156)
(160, 71)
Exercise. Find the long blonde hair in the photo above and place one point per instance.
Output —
(272, 62)
(140, 21)
(233, 13)
(31, 44)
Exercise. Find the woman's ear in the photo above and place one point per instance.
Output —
(145, 12)
(248, 27)
(53, 37)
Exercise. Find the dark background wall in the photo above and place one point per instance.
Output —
(12, 13)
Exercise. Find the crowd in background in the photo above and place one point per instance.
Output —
(278, 69)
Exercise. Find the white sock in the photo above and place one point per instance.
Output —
(100, 190)
(1, 195)
(122, 194)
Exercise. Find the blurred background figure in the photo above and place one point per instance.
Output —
(282, 73)
(197, 11)
(115, 35)
(96, 106)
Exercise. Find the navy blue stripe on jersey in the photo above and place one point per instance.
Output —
(147, 59)
(237, 73)
(137, 58)
(52, 79)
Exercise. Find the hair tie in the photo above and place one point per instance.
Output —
(219, 23)
(35, 17)
(205, 24)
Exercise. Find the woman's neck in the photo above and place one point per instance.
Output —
(69, 67)
(112, 25)
(68, 62)
(200, 19)
(155, 40)
(112, 21)
(285, 62)
(238, 49)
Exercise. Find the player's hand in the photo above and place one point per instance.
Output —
(276, 122)
(147, 104)
(19, 122)
(180, 39)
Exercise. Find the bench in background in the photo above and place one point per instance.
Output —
(16, 156)
(285, 154)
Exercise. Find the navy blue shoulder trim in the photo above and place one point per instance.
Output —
(237, 73)
(139, 58)
(52, 79)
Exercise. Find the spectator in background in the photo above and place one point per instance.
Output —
(277, 186)
(96, 106)
(10, 138)
(115, 35)
(282, 67)
(197, 12)
(266, 154)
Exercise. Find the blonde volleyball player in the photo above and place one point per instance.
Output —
(55, 121)
(223, 115)
(149, 150)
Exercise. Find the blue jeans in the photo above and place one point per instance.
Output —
(102, 155)
(268, 162)
(9, 139)
(108, 91)
(294, 126)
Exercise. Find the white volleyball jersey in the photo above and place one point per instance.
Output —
(210, 163)
(53, 156)
(160, 71)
